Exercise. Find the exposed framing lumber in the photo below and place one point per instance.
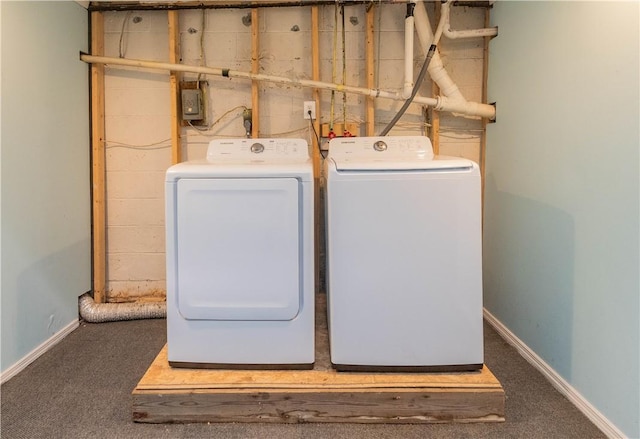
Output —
(174, 86)
(315, 75)
(370, 70)
(485, 80)
(315, 150)
(434, 116)
(217, 4)
(98, 189)
(255, 68)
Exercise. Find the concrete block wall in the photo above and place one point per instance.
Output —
(138, 105)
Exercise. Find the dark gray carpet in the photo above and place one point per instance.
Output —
(82, 389)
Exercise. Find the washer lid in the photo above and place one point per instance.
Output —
(390, 154)
(434, 164)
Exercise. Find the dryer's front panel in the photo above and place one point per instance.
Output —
(238, 248)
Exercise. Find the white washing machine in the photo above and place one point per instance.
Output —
(404, 274)
(240, 256)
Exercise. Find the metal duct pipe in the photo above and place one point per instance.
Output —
(93, 312)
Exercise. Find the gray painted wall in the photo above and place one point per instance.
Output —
(45, 172)
(561, 231)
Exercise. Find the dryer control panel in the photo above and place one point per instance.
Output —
(257, 149)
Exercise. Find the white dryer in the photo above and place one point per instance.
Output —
(240, 256)
(404, 267)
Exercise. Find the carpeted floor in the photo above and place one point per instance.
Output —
(82, 389)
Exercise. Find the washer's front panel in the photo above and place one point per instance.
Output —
(404, 257)
(238, 249)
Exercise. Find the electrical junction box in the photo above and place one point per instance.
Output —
(192, 105)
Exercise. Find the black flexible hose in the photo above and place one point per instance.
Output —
(414, 92)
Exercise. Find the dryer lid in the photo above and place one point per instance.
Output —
(258, 150)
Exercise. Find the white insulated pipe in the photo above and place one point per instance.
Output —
(436, 69)
(439, 103)
(409, 28)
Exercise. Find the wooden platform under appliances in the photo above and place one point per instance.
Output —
(166, 394)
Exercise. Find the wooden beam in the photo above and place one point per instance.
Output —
(315, 149)
(370, 70)
(315, 75)
(174, 85)
(434, 132)
(255, 68)
(98, 161)
(215, 4)
(485, 78)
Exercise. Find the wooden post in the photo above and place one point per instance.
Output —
(98, 160)
(174, 85)
(485, 78)
(370, 70)
(315, 148)
(434, 132)
(315, 75)
(255, 68)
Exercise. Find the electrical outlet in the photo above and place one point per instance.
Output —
(309, 106)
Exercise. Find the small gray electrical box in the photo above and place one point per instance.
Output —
(192, 108)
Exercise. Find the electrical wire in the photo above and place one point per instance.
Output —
(109, 144)
(207, 128)
(311, 120)
(203, 59)
(121, 50)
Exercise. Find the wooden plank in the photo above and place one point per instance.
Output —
(255, 68)
(370, 70)
(213, 4)
(161, 377)
(174, 86)
(394, 406)
(98, 160)
(166, 394)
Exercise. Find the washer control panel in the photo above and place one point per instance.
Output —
(386, 148)
(257, 149)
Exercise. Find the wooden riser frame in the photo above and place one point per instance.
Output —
(169, 395)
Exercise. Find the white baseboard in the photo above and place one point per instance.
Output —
(34, 354)
(562, 386)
